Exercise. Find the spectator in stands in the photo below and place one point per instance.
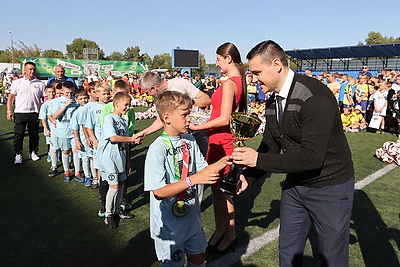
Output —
(358, 119)
(361, 93)
(348, 100)
(81, 80)
(342, 91)
(59, 71)
(380, 102)
(210, 86)
(365, 71)
(333, 84)
(308, 72)
(198, 83)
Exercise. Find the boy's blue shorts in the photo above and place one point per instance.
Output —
(174, 255)
(113, 178)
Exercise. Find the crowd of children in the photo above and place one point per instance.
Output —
(83, 125)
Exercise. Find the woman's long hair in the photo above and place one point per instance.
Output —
(230, 49)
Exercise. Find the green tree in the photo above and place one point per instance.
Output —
(24, 50)
(162, 61)
(5, 56)
(133, 54)
(117, 56)
(75, 49)
(52, 53)
(378, 38)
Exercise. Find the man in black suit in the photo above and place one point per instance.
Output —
(304, 139)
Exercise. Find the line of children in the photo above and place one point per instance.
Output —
(174, 167)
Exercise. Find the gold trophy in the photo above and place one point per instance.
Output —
(243, 127)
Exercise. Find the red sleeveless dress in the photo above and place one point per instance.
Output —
(220, 139)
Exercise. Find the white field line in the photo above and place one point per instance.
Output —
(242, 252)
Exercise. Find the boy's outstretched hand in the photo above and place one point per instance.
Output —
(210, 174)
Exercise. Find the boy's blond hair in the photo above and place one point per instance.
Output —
(100, 87)
(168, 101)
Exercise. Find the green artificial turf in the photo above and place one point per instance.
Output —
(51, 223)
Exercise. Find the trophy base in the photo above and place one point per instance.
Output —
(228, 187)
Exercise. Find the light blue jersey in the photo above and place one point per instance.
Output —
(165, 227)
(63, 128)
(112, 156)
(93, 119)
(43, 116)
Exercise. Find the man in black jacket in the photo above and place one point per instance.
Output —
(304, 139)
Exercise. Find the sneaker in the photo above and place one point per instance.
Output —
(79, 177)
(87, 182)
(125, 215)
(33, 156)
(110, 222)
(102, 212)
(48, 158)
(53, 173)
(67, 177)
(95, 184)
(18, 159)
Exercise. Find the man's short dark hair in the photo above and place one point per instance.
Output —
(29, 63)
(268, 51)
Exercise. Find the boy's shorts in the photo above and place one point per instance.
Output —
(64, 143)
(113, 178)
(174, 255)
(53, 142)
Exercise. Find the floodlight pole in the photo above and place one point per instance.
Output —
(12, 50)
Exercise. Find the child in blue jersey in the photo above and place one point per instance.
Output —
(111, 155)
(79, 147)
(119, 86)
(93, 99)
(92, 122)
(174, 167)
(47, 128)
(62, 110)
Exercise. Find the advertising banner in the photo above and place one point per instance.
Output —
(74, 67)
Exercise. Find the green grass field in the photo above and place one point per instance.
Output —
(50, 223)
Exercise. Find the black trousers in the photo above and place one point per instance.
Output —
(21, 120)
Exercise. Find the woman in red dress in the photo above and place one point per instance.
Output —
(229, 97)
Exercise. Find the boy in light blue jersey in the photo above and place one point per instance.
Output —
(89, 144)
(48, 127)
(174, 168)
(79, 146)
(111, 156)
(62, 110)
(92, 122)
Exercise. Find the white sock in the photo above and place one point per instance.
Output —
(65, 161)
(53, 157)
(86, 167)
(94, 172)
(77, 162)
(110, 200)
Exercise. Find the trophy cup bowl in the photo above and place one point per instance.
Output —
(243, 126)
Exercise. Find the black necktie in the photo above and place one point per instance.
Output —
(279, 106)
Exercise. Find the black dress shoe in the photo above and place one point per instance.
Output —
(228, 248)
(213, 248)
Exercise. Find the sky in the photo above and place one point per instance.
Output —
(159, 26)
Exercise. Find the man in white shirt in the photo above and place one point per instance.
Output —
(28, 93)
